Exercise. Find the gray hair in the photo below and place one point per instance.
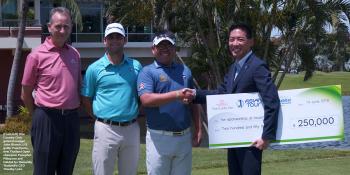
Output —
(61, 10)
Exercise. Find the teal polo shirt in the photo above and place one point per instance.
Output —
(112, 88)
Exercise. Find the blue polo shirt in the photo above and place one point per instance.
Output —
(158, 78)
(113, 88)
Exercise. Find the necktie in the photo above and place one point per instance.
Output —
(238, 68)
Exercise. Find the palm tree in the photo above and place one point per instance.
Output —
(203, 25)
(305, 30)
(124, 12)
(16, 60)
(75, 12)
(338, 50)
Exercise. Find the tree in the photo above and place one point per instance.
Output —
(16, 60)
(339, 45)
(305, 29)
(203, 24)
(120, 11)
(75, 12)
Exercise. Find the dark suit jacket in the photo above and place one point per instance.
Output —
(253, 77)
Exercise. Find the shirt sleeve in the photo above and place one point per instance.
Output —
(88, 87)
(190, 78)
(145, 82)
(138, 66)
(269, 96)
(30, 70)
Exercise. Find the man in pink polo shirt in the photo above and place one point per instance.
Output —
(50, 90)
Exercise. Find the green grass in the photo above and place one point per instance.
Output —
(332, 166)
(295, 81)
(213, 161)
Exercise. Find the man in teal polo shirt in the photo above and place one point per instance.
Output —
(110, 96)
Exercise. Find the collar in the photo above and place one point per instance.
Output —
(106, 62)
(159, 65)
(244, 59)
(49, 45)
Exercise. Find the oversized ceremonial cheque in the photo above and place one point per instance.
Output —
(306, 115)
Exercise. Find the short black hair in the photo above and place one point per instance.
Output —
(245, 27)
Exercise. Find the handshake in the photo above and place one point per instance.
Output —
(186, 95)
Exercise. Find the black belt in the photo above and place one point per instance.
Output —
(61, 111)
(110, 122)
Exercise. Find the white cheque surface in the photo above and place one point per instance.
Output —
(306, 115)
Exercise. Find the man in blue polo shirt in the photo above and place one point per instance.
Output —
(160, 87)
(110, 96)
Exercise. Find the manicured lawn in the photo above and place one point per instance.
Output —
(331, 166)
(213, 161)
(294, 81)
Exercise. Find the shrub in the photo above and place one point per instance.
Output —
(20, 123)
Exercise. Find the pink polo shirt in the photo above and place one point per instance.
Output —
(55, 74)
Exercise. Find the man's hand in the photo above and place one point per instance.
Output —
(197, 138)
(261, 143)
(87, 104)
(187, 95)
(27, 97)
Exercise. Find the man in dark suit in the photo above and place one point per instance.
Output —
(248, 74)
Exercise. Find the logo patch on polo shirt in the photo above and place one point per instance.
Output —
(141, 86)
(163, 78)
(73, 61)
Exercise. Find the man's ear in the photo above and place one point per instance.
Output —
(48, 27)
(154, 50)
(125, 40)
(251, 42)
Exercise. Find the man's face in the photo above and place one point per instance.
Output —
(114, 42)
(239, 44)
(164, 52)
(60, 27)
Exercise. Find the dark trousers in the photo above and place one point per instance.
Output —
(55, 140)
(244, 161)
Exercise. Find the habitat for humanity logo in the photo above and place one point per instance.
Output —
(222, 104)
(248, 103)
